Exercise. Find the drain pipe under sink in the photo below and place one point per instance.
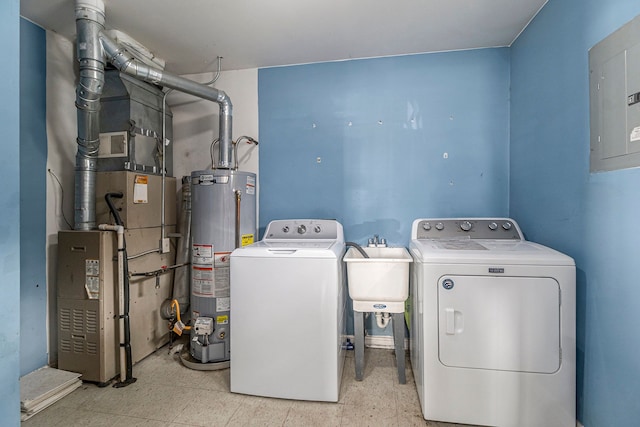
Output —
(382, 320)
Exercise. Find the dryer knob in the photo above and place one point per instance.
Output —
(506, 226)
(439, 226)
(285, 229)
(465, 226)
(493, 226)
(426, 226)
(302, 229)
(317, 229)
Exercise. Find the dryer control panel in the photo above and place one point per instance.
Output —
(471, 228)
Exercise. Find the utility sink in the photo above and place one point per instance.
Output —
(379, 283)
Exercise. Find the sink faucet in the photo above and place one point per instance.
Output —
(377, 242)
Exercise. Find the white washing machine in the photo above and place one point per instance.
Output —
(492, 325)
(288, 304)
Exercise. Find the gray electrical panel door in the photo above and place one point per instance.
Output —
(614, 90)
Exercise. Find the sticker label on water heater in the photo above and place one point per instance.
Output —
(202, 279)
(202, 254)
(222, 266)
(635, 134)
(206, 179)
(247, 239)
(223, 304)
(251, 185)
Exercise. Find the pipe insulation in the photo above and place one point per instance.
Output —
(94, 47)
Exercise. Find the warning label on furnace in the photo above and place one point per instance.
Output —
(92, 278)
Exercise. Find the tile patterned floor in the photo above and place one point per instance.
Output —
(167, 394)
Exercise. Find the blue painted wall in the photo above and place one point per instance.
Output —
(33, 167)
(10, 208)
(589, 216)
(380, 142)
(365, 141)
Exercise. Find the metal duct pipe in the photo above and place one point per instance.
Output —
(126, 63)
(89, 24)
(92, 47)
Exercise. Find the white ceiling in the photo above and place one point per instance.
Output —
(190, 34)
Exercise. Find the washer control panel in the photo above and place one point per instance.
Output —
(302, 229)
(473, 228)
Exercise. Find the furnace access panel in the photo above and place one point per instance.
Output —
(614, 89)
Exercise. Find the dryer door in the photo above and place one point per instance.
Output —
(499, 323)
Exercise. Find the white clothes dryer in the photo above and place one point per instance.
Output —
(492, 325)
(288, 304)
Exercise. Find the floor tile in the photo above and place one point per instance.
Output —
(314, 414)
(206, 408)
(168, 394)
(261, 411)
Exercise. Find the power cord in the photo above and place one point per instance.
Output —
(61, 199)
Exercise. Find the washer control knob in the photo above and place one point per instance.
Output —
(439, 226)
(302, 229)
(285, 229)
(465, 226)
(426, 226)
(506, 226)
(317, 229)
(493, 226)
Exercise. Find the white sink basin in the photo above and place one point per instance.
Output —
(379, 283)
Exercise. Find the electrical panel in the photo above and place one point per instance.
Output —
(614, 90)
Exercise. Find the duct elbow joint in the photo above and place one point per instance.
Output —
(115, 54)
(226, 107)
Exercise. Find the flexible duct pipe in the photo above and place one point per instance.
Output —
(126, 63)
(89, 24)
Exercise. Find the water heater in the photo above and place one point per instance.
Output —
(223, 218)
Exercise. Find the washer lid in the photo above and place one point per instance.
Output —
(476, 251)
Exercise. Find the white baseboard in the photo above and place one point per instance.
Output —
(380, 341)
